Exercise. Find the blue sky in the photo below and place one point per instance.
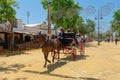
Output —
(38, 14)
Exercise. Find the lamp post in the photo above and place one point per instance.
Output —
(28, 15)
(49, 25)
(98, 19)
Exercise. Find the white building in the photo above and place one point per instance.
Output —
(36, 28)
(20, 24)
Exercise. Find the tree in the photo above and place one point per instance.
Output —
(115, 23)
(79, 23)
(90, 25)
(7, 12)
(85, 28)
(64, 13)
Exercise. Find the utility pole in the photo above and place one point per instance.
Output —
(49, 18)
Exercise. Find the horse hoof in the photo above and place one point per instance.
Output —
(52, 60)
(58, 60)
(44, 66)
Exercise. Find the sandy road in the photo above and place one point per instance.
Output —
(99, 63)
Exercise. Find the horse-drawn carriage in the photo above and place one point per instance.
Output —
(55, 45)
(68, 44)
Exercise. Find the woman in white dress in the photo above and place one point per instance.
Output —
(81, 43)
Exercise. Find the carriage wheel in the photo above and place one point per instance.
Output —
(66, 50)
(73, 54)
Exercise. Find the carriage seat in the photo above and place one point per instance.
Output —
(67, 39)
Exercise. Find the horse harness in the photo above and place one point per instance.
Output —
(48, 42)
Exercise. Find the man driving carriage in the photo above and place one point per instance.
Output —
(61, 35)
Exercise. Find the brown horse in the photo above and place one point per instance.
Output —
(48, 46)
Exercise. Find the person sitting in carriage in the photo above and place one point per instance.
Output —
(61, 35)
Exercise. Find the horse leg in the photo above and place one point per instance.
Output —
(58, 55)
(46, 59)
(53, 57)
(58, 49)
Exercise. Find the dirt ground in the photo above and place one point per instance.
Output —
(99, 63)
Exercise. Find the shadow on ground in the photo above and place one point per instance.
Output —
(9, 69)
(78, 57)
(15, 79)
(51, 68)
(54, 66)
(13, 68)
(8, 53)
(88, 78)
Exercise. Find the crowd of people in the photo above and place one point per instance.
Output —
(115, 40)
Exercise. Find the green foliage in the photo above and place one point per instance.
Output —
(91, 25)
(117, 15)
(86, 28)
(7, 12)
(64, 13)
(115, 23)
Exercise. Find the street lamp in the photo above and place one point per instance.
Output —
(98, 18)
(49, 25)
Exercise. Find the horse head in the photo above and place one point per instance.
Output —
(41, 39)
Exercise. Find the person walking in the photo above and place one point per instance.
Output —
(81, 44)
(116, 40)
